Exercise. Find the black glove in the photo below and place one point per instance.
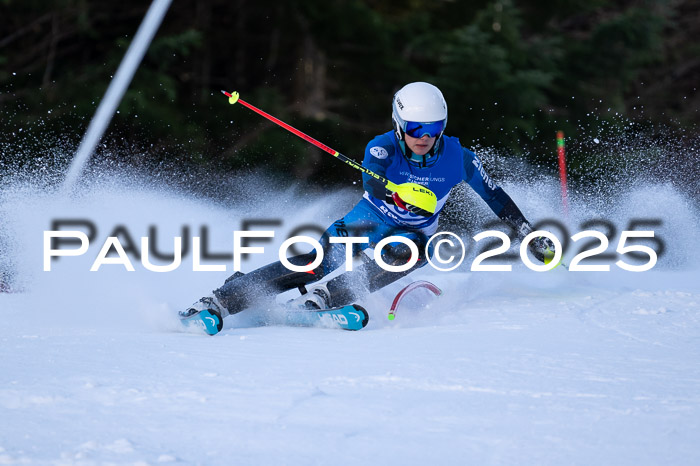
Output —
(541, 247)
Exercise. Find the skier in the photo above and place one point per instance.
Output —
(415, 151)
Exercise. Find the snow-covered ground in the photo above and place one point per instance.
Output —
(504, 368)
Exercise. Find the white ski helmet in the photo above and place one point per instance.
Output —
(418, 109)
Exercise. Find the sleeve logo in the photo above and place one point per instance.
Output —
(379, 152)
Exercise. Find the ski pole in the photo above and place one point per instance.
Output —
(413, 193)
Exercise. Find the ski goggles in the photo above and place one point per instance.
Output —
(418, 130)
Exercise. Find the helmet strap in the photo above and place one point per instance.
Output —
(402, 146)
(399, 134)
(436, 147)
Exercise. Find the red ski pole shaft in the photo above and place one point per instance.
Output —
(234, 98)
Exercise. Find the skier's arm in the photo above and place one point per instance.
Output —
(377, 158)
(494, 196)
(503, 206)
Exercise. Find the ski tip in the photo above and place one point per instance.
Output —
(208, 321)
(365, 314)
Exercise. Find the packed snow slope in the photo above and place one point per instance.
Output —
(512, 367)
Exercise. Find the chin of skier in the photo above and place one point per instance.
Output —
(416, 151)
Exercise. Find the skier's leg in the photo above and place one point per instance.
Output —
(241, 290)
(370, 276)
(238, 292)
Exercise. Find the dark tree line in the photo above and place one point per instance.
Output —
(513, 73)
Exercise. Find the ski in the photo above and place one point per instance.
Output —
(207, 320)
(350, 317)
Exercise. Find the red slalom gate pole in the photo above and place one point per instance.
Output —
(561, 151)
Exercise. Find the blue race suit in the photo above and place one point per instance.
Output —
(377, 217)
